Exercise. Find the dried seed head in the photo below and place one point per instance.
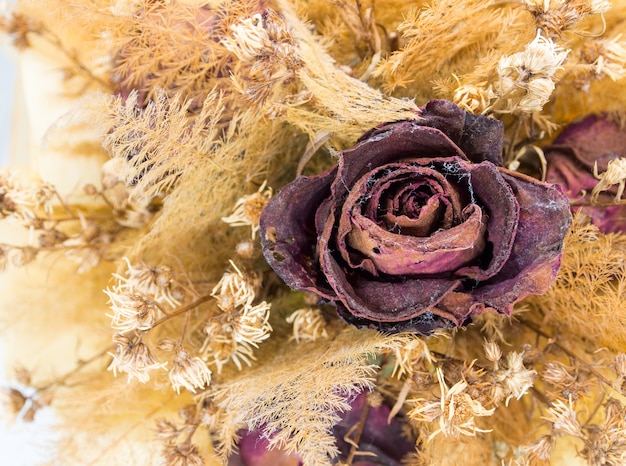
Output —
(308, 324)
(615, 174)
(247, 210)
(563, 417)
(134, 358)
(527, 78)
(155, 282)
(492, 351)
(184, 454)
(455, 411)
(542, 448)
(557, 374)
(131, 311)
(189, 372)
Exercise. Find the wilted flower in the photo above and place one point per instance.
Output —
(594, 143)
(419, 226)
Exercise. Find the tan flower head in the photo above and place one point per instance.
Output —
(308, 324)
(189, 371)
(527, 78)
(234, 290)
(247, 210)
(455, 411)
(131, 311)
(133, 357)
(156, 282)
(515, 378)
(563, 417)
(555, 16)
(615, 174)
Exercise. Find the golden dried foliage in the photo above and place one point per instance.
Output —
(295, 398)
(592, 308)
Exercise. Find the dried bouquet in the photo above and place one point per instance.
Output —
(352, 232)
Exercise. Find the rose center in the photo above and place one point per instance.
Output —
(409, 219)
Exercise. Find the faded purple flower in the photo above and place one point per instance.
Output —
(380, 443)
(571, 159)
(418, 226)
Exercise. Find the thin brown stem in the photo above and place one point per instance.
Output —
(183, 309)
(567, 351)
(73, 57)
(512, 143)
(358, 430)
(81, 363)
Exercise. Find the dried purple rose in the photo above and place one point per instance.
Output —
(571, 159)
(418, 226)
(380, 442)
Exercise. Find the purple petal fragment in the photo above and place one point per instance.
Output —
(571, 160)
(418, 227)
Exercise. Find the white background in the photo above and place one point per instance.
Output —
(21, 444)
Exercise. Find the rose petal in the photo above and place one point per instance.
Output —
(544, 218)
(390, 143)
(373, 186)
(424, 324)
(594, 138)
(289, 235)
(573, 176)
(383, 300)
(495, 195)
(479, 137)
(571, 161)
(438, 254)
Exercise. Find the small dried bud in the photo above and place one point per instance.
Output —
(23, 256)
(188, 413)
(245, 249)
(90, 189)
(184, 454)
(492, 351)
(166, 430)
